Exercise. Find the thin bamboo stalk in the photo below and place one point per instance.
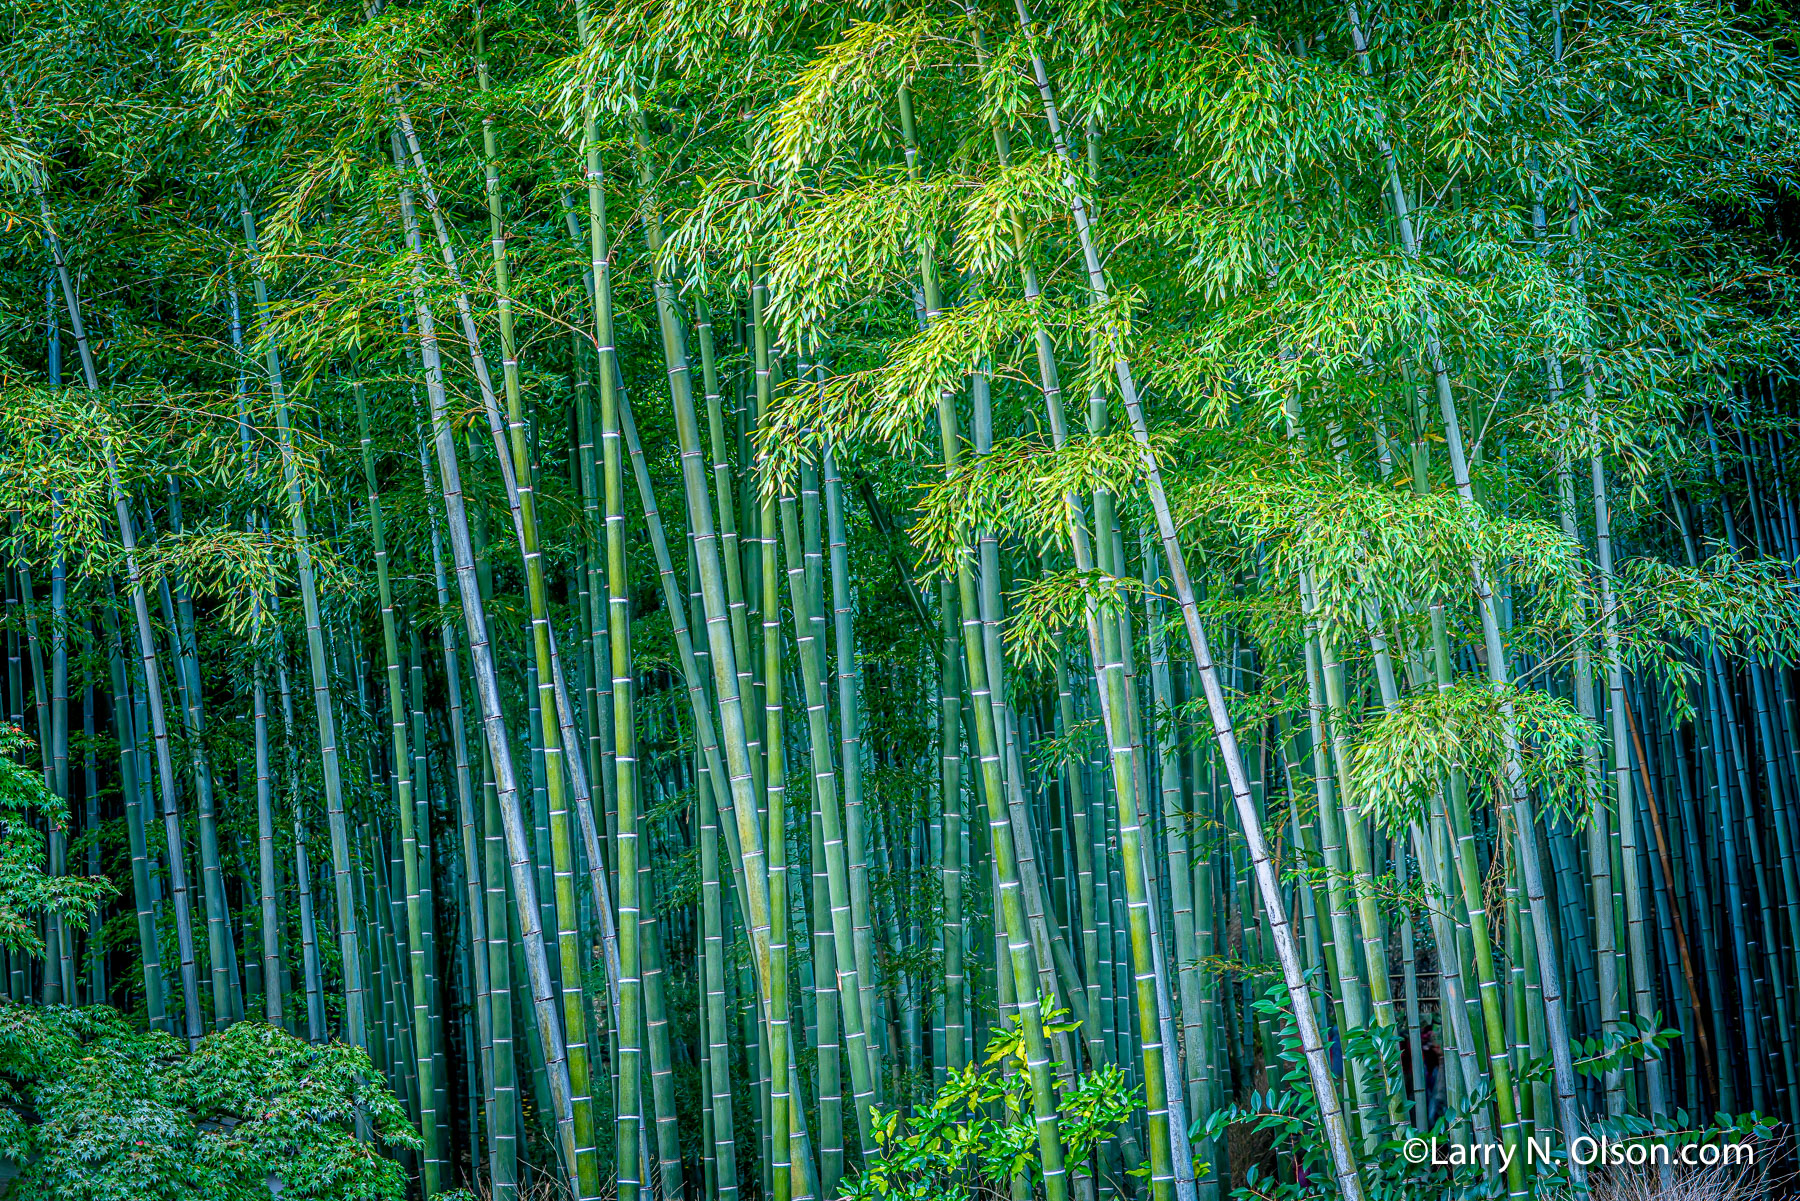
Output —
(431, 1157)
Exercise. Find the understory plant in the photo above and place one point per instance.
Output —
(1453, 1158)
(977, 1136)
(92, 1109)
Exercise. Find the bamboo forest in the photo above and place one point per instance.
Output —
(1058, 600)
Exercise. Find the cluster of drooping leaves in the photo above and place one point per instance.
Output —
(1406, 753)
(978, 1132)
(94, 1110)
(1748, 608)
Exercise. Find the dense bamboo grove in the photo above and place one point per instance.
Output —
(1212, 586)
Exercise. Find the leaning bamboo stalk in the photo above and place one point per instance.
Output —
(1556, 1024)
(1454, 804)
(700, 707)
(493, 1005)
(178, 616)
(1349, 991)
(265, 847)
(96, 956)
(826, 1041)
(1681, 938)
(587, 1170)
(849, 707)
(804, 600)
(1468, 905)
(1019, 986)
(1600, 861)
(1023, 975)
(503, 1157)
(731, 555)
(1274, 907)
(428, 890)
(1118, 705)
(628, 1137)
(718, 1056)
(493, 717)
(1168, 758)
(40, 689)
(735, 727)
(956, 1052)
(309, 948)
(271, 966)
(1619, 706)
(721, 650)
(666, 1120)
(497, 423)
(59, 982)
(184, 936)
(850, 738)
(783, 1100)
(616, 409)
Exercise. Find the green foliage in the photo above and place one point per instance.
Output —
(27, 894)
(1603, 236)
(1370, 546)
(1405, 754)
(55, 473)
(1744, 607)
(1628, 1043)
(1026, 489)
(95, 1110)
(1394, 1171)
(978, 1132)
(1058, 601)
(1290, 1114)
(1682, 1128)
(890, 402)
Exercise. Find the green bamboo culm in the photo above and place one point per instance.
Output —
(403, 801)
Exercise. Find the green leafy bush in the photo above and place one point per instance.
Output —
(26, 892)
(978, 1133)
(94, 1110)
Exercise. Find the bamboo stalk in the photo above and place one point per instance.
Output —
(1343, 1159)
